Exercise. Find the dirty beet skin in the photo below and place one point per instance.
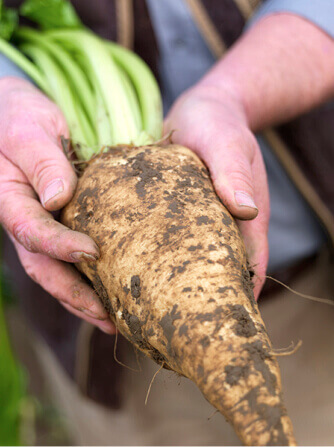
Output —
(173, 276)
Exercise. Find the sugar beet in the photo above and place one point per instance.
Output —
(173, 275)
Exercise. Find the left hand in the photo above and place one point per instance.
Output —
(218, 133)
(36, 178)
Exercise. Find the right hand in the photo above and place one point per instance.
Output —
(212, 123)
(36, 178)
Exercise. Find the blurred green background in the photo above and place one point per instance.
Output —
(27, 413)
(13, 397)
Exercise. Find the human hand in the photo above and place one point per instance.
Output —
(214, 126)
(36, 178)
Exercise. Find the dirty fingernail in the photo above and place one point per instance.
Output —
(81, 256)
(52, 190)
(244, 199)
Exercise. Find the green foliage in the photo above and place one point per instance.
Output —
(8, 21)
(107, 94)
(12, 387)
(51, 14)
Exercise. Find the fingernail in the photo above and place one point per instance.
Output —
(81, 256)
(244, 199)
(52, 190)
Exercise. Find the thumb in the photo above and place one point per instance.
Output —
(46, 167)
(233, 180)
(30, 127)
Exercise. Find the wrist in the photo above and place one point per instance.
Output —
(223, 93)
(282, 67)
(227, 84)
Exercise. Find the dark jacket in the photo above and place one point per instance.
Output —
(80, 348)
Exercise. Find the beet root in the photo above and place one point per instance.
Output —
(173, 276)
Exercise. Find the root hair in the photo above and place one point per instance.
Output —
(308, 297)
(151, 383)
(289, 350)
(118, 361)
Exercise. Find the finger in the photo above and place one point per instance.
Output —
(35, 228)
(105, 326)
(255, 239)
(39, 155)
(64, 283)
(255, 233)
(230, 164)
(228, 154)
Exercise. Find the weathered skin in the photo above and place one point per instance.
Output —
(173, 276)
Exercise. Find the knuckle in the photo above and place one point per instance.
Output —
(242, 180)
(241, 142)
(42, 236)
(81, 300)
(18, 133)
(44, 171)
(31, 271)
(78, 294)
(22, 119)
(22, 233)
(78, 298)
(16, 130)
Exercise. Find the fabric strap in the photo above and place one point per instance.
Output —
(125, 24)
